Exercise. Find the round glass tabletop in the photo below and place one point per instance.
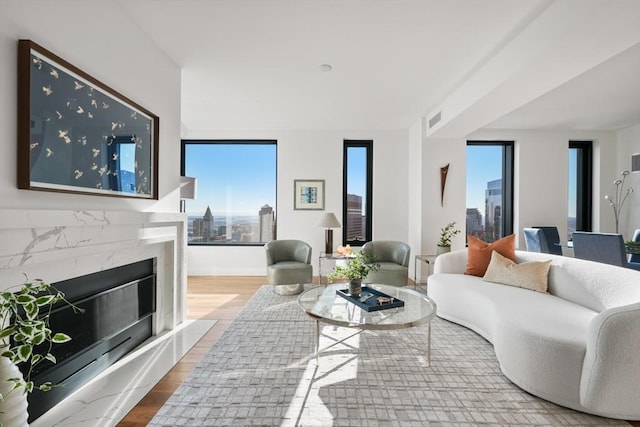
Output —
(325, 304)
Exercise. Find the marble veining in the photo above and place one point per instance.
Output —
(57, 245)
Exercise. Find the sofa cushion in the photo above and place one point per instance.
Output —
(528, 275)
(479, 253)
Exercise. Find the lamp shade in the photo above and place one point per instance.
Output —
(329, 220)
(188, 187)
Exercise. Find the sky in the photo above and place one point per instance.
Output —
(235, 178)
(484, 164)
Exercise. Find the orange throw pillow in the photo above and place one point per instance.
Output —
(479, 253)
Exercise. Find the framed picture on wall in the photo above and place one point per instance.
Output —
(308, 194)
(77, 135)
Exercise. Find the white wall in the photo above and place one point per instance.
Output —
(310, 154)
(628, 144)
(99, 39)
(540, 176)
(436, 153)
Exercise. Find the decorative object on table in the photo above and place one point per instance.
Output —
(188, 190)
(328, 221)
(447, 233)
(308, 194)
(616, 202)
(77, 135)
(371, 299)
(26, 339)
(443, 181)
(355, 270)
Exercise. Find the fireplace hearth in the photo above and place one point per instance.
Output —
(118, 305)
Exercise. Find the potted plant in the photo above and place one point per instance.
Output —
(355, 270)
(25, 338)
(447, 233)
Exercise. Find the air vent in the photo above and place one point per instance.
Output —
(435, 119)
(635, 162)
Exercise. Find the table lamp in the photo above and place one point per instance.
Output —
(328, 221)
(188, 186)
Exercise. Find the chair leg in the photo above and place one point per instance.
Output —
(288, 289)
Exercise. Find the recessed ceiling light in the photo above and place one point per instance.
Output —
(326, 68)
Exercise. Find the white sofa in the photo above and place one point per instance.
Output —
(577, 345)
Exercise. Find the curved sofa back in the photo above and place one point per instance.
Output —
(591, 284)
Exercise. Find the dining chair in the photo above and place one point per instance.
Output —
(607, 248)
(634, 259)
(542, 239)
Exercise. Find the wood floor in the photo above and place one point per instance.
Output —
(220, 298)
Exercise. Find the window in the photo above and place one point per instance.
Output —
(357, 190)
(579, 215)
(236, 200)
(489, 189)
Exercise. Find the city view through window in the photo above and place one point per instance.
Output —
(236, 196)
(484, 192)
(356, 194)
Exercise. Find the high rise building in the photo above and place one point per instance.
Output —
(267, 223)
(474, 223)
(203, 228)
(354, 218)
(493, 210)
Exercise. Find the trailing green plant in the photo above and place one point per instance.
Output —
(25, 334)
(356, 268)
(447, 233)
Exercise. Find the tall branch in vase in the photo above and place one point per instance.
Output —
(620, 197)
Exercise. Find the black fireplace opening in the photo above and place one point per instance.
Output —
(118, 306)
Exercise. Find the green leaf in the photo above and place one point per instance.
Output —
(8, 354)
(24, 352)
(60, 338)
(39, 338)
(36, 358)
(51, 358)
(28, 387)
(24, 299)
(32, 310)
(45, 300)
(27, 331)
(7, 331)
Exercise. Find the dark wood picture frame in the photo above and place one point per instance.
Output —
(77, 135)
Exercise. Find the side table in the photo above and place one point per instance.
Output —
(429, 260)
(329, 257)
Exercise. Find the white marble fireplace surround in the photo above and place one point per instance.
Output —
(56, 245)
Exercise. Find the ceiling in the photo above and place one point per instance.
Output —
(256, 64)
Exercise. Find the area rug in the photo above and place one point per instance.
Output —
(263, 371)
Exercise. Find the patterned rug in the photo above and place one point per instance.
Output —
(263, 371)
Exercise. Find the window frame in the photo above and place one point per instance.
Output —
(368, 145)
(508, 193)
(183, 145)
(584, 184)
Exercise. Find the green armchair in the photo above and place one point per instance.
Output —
(393, 258)
(288, 265)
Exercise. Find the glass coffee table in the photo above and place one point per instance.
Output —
(323, 304)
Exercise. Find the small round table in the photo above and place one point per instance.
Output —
(323, 304)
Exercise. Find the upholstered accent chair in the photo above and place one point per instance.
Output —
(288, 265)
(393, 258)
(607, 248)
(542, 239)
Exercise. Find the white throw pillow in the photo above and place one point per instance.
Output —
(528, 275)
